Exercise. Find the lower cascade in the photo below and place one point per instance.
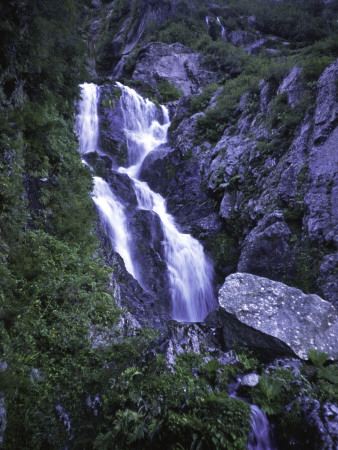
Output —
(259, 438)
(189, 271)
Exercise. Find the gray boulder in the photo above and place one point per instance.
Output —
(175, 63)
(299, 320)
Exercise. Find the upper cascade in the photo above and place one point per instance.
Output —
(143, 130)
(87, 119)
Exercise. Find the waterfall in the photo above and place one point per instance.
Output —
(88, 120)
(145, 126)
(113, 221)
(224, 34)
(190, 273)
(143, 131)
(207, 22)
(259, 438)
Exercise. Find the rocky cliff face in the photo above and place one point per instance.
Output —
(280, 203)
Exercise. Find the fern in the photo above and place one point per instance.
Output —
(317, 358)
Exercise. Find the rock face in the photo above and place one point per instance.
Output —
(175, 63)
(301, 321)
(278, 199)
(322, 196)
(266, 250)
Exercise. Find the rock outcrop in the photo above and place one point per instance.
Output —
(175, 63)
(300, 321)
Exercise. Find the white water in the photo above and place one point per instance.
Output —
(224, 34)
(207, 22)
(259, 438)
(146, 127)
(87, 120)
(113, 219)
(143, 131)
(190, 273)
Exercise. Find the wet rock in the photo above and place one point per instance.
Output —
(114, 43)
(143, 308)
(328, 278)
(155, 169)
(150, 266)
(194, 337)
(153, 11)
(266, 250)
(300, 320)
(175, 63)
(320, 423)
(122, 187)
(112, 140)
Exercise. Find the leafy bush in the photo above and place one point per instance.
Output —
(212, 125)
(317, 358)
(168, 91)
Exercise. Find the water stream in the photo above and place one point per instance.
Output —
(224, 34)
(190, 273)
(260, 437)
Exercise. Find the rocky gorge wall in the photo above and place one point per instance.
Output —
(258, 207)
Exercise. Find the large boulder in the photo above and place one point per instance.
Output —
(175, 63)
(299, 320)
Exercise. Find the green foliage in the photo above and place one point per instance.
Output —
(271, 393)
(297, 21)
(200, 102)
(247, 359)
(284, 117)
(317, 358)
(154, 406)
(168, 91)
(212, 125)
(223, 250)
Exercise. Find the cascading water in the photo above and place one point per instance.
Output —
(224, 34)
(190, 273)
(143, 131)
(207, 22)
(146, 127)
(111, 211)
(88, 120)
(259, 438)
(113, 221)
